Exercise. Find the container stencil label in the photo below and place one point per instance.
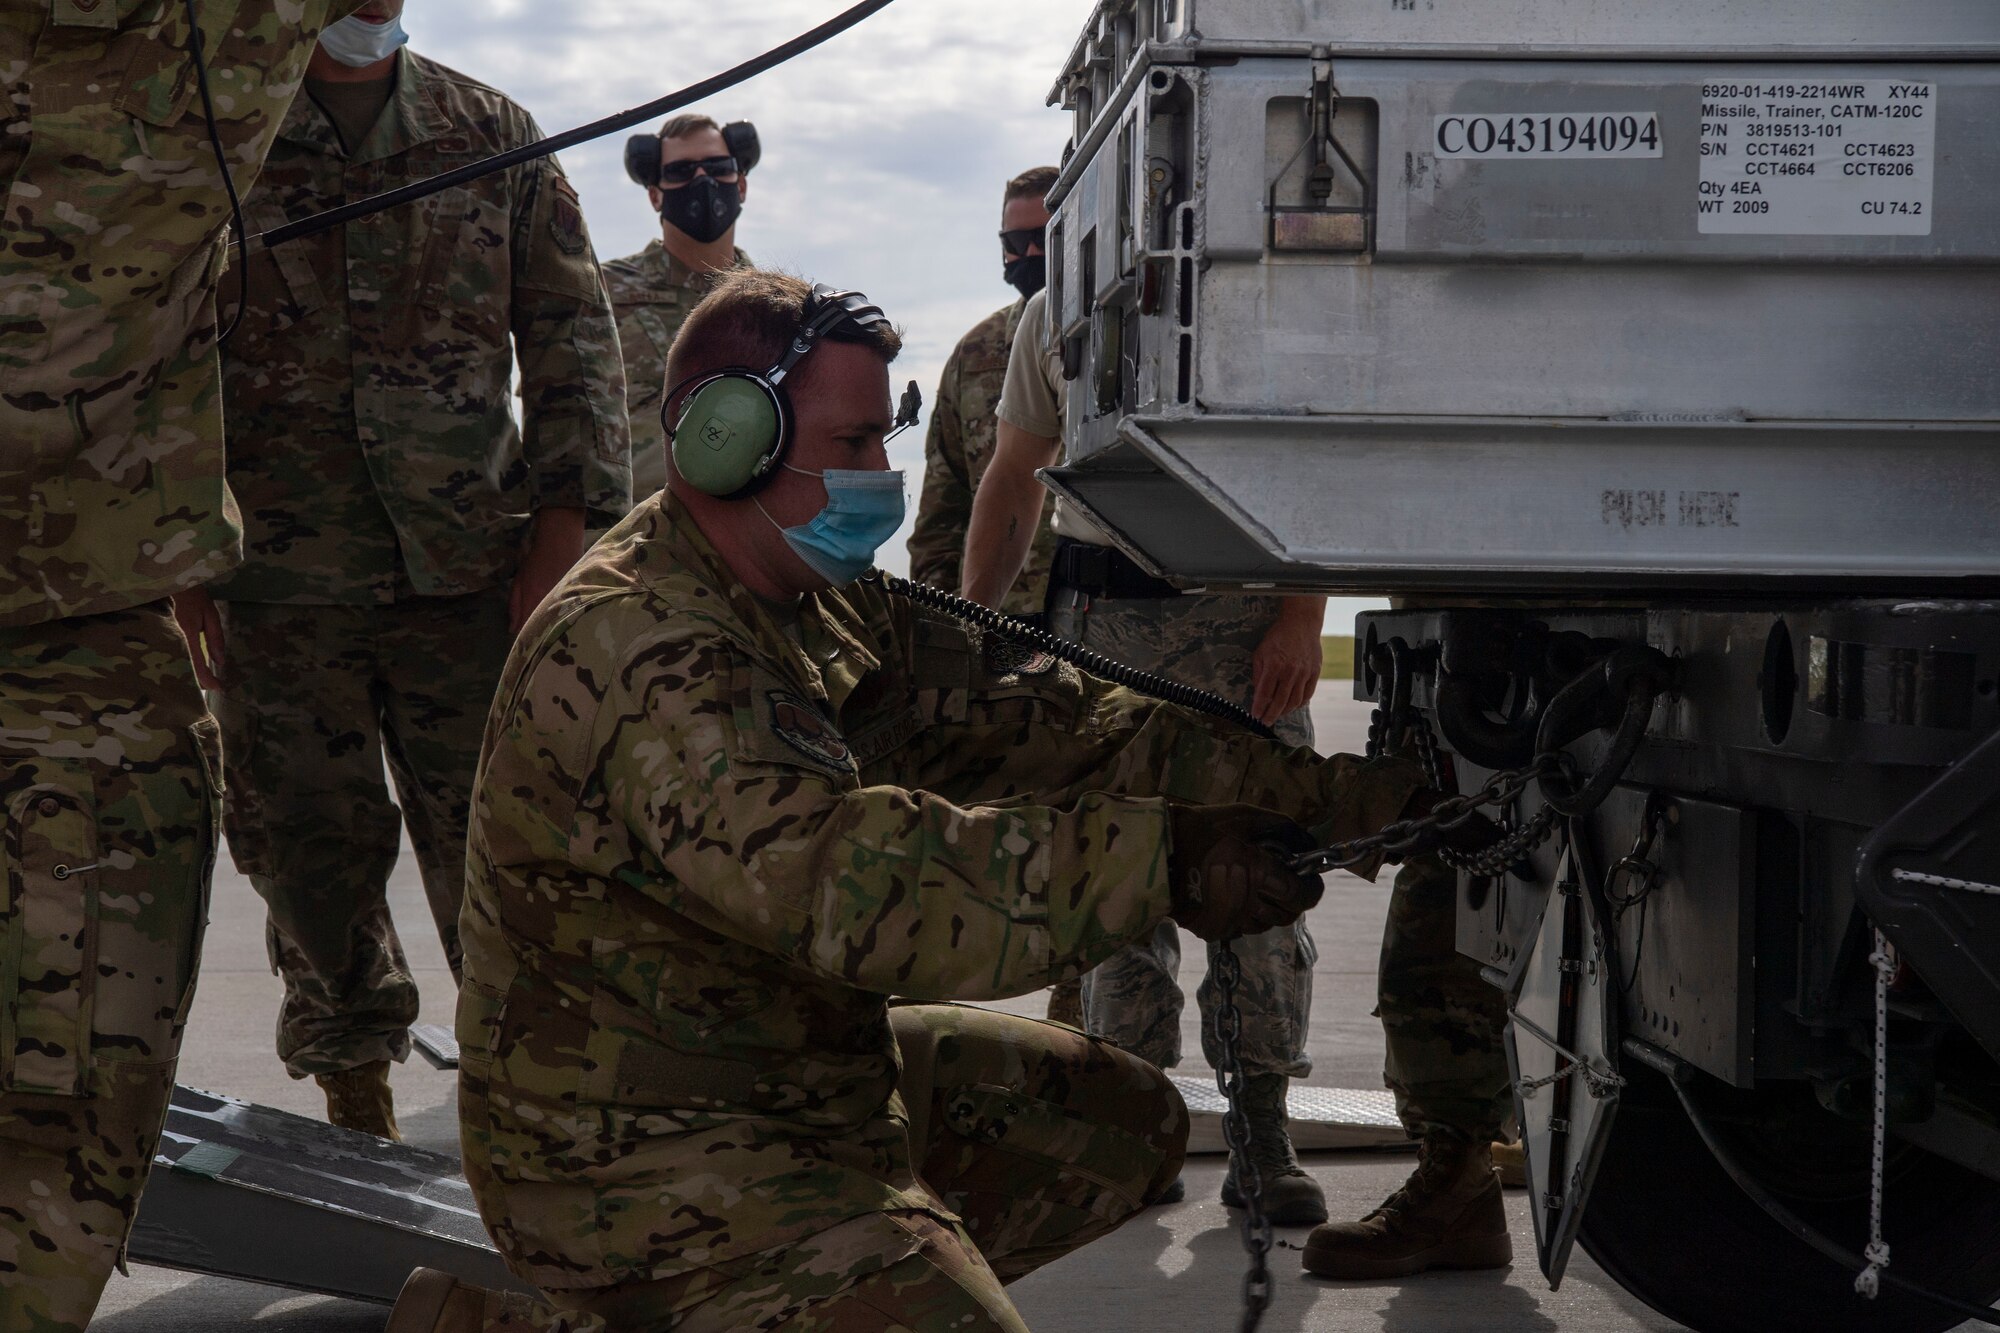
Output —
(1838, 158)
(1525, 136)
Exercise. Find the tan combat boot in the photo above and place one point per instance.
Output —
(1291, 1197)
(434, 1302)
(1447, 1215)
(359, 1098)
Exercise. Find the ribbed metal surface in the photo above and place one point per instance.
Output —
(1322, 1119)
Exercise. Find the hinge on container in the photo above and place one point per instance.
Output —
(1325, 105)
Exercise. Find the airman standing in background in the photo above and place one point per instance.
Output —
(1262, 653)
(1447, 1065)
(697, 177)
(964, 429)
(399, 527)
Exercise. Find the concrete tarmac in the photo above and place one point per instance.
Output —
(1173, 1268)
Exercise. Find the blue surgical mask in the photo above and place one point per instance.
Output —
(863, 510)
(356, 42)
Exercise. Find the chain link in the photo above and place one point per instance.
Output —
(1427, 755)
(1227, 974)
(1408, 837)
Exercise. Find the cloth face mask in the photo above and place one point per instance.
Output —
(704, 208)
(356, 42)
(863, 510)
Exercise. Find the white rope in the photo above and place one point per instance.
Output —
(1943, 881)
(1600, 1083)
(1869, 1281)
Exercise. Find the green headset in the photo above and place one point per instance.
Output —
(735, 425)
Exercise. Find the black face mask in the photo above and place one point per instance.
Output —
(703, 208)
(1028, 274)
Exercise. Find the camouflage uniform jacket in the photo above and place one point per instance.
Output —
(652, 293)
(707, 845)
(963, 432)
(370, 437)
(111, 239)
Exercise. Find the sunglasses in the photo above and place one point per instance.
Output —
(717, 168)
(1017, 241)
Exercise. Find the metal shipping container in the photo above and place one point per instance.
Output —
(1703, 295)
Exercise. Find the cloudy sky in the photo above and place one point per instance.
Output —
(884, 151)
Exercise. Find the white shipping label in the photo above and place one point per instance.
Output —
(1817, 159)
(1527, 135)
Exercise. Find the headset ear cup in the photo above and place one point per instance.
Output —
(642, 160)
(744, 146)
(731, 434)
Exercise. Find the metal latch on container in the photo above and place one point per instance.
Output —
(1319, 224)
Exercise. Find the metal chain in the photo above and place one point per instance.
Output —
(1378, 733)
(1869, 1281)
(1227, 974)
(1409, 836)
(1427, 754)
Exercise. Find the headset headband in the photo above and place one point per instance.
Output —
(825, 311)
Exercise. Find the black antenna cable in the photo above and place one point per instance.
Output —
(1148, 683)
(236, 226)
(597, 129)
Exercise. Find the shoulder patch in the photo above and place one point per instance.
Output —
(566, 218)
(797, 723)
(1004, 657)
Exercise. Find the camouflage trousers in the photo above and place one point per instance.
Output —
(1444, 1024)
(1133, 999)
(314, 698)
(110, 778)
(1089, 1136)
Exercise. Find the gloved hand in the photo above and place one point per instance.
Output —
(1228, 871)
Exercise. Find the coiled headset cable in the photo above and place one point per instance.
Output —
(1147, 683)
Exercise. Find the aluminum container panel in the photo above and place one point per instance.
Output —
(1571, 339)
(1555, 507)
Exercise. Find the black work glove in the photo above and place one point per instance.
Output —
(1229, 872)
